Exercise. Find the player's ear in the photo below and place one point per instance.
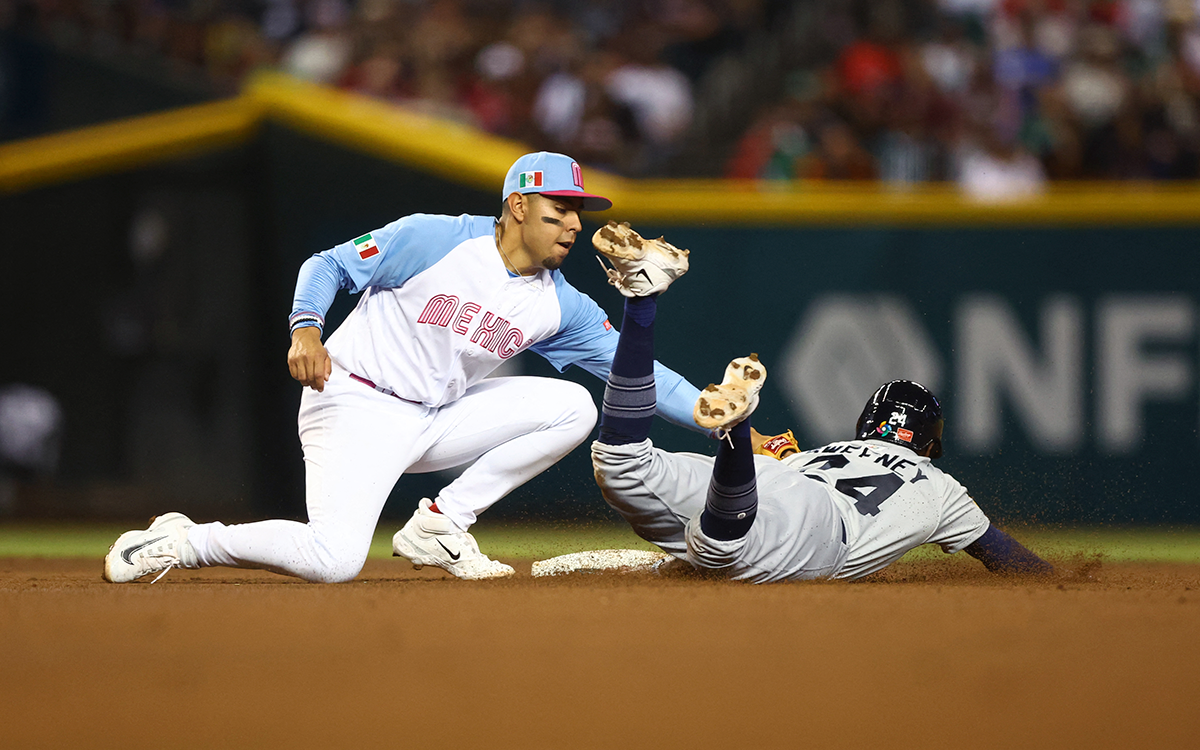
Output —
(518, 206)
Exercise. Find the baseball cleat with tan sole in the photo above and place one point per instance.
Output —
(641, 267)
(720, 407)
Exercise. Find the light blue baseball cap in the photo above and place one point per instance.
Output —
(551, 174)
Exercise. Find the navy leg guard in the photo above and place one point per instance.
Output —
(732, 502)
(630, 398)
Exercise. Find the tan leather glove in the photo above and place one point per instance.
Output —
(779, 446)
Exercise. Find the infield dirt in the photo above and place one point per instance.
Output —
(930, 654)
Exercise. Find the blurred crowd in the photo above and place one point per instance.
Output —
(999, 96)
(609, 81)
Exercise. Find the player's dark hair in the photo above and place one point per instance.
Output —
(903, 413)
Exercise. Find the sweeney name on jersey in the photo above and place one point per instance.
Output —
(868, 488)
(892, 500)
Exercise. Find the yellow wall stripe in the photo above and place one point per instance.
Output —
(798, 203)
(126, 143)
(462, 154)
(447, 149)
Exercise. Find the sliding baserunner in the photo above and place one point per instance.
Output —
(844, 510)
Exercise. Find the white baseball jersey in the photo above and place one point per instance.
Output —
(891, 500)
(842, 511)
(440, 311)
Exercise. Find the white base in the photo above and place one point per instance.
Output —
(595, 561)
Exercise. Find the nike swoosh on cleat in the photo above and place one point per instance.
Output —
(642, 271)
(453, 555)
(128, 552)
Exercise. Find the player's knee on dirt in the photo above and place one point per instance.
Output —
(337, 562)
(338, 571)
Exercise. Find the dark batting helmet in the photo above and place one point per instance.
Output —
(904, 413)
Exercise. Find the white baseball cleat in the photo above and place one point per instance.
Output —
(430, 539)
(641, 267)
(720, 407)
(156, 550)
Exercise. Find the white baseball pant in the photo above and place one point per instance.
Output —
(357, 442)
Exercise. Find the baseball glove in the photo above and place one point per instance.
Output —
(780, 446)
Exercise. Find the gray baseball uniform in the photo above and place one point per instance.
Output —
(844, 510)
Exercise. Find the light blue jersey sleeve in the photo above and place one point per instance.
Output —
(587, 339)
(386, 257)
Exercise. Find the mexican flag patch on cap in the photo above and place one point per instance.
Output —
(531, 179)
(366, 246)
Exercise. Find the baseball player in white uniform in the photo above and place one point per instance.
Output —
(400, 386)
(844, 510)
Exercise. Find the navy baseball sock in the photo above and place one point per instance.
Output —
(732, 500)
(629, 395)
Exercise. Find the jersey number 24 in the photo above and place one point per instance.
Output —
(869, 492)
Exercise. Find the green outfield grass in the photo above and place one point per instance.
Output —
(1117, 544)
(529, 542)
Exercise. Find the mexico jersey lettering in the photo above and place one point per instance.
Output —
(448, 326)
(891, 500)
(493, 332)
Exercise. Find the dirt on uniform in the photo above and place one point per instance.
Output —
(928, 654)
